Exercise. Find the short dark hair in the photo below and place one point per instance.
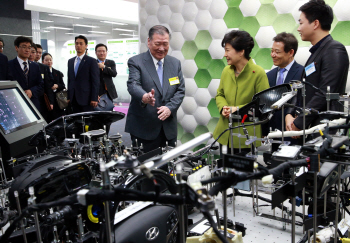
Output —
(158, 29)
(22, 39)
(3, 43)
(318, 9)
(39, 46)
(34, 46)
(81, 37)
(44, 55)
(99, 45)
(289, 41)
(239, 40)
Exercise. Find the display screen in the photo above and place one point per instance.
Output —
(15, 111)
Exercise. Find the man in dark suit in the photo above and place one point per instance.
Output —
(283, 50)
(83, 78)
(327, 66)
(27, 73)
(107, 72)
(157, 88)
(4, 68)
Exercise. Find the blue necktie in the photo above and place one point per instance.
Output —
(280, 78)
(160, 72)
(76, 66)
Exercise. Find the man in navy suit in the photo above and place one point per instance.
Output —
(83, 78)
(27, 73)
(4, 68)
(284, 48)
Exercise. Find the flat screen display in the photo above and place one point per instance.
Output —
(15, 111)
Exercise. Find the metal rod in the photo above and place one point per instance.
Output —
(217, 218)
(231, 132)
(304, 95)
(239, 131)
(314, 214)
(19, 213)
(106, 185)
(337, 207)
(282, 124)
(31, 201)
(3, 170)
(303, 198)
(181, 208)
(252, 188)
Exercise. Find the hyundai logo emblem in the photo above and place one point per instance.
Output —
(152, 233)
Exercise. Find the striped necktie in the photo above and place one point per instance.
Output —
(25, 71)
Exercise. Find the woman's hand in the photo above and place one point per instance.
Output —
(226, 110)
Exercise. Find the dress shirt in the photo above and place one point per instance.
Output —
(21, 63)
(155, 61)
(76, 59)
(285, 73)
(318, 44)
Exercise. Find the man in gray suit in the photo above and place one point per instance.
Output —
(157, 88)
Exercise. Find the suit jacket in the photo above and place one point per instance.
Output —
(107, 75)
(48, 82)
(294, 73)
(4, 68)
(332, 64)
(58, 79)
(84, 87)
(35, 82)
(142, 121)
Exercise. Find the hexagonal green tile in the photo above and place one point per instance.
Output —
(202, 78)
(266, 1)
(215, 68)
(200, 130)
(203, 39)
(189, 49)
(212, 123)
(284, 23)
(255, 49)
(266, 15)
(233, 3)
(334, 23)
(213, 109)
(341, 32)
(250, 24)
(202, 59)
(186, 137)
(233, 17)
(180, 131)
(300, 42)
(224, 60)
(331, 3)
(263, 58)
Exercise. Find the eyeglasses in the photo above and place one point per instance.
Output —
(26, 47)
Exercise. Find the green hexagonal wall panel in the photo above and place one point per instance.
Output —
(200, 130)
(212, 123)
(266, 1)
(233, 3)
(202, 78)
(186, 137)
(266, 15)
(180, 131)
(203, 39)
(284, 23)
(331, 2)
(213, 109)
(202, 59)
(255, 49)
(250, 24)
(334, 23)
(189, 49)
(233, 17)
(215, 68)
(224, 60)
(263, 58)
(341, 32)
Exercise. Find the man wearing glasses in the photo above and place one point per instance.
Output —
(27, 73)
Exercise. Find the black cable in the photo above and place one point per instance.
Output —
(208, 216)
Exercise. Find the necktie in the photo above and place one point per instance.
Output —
(280, 78)
(77, 66)
(160, 72)
(25, 71)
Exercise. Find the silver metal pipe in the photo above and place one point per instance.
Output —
(239, 131)
(31, 201)
(107, 211)
(230, 125)
(337, 207)
(304, 95)
(181, 208)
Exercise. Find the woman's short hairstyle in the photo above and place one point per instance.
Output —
(239, 40)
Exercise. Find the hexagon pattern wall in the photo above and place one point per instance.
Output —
(197, 28)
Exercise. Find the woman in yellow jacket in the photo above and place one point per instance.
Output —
(239, 82)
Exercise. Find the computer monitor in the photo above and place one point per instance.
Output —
(19, 121)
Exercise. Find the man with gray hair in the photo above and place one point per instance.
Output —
(157, 89)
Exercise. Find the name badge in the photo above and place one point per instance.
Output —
(42, 76)
(174, 80)
(310, 69)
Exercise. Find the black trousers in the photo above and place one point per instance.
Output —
(149, 145)
(79, 108)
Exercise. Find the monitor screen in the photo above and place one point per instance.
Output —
(15, 111)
